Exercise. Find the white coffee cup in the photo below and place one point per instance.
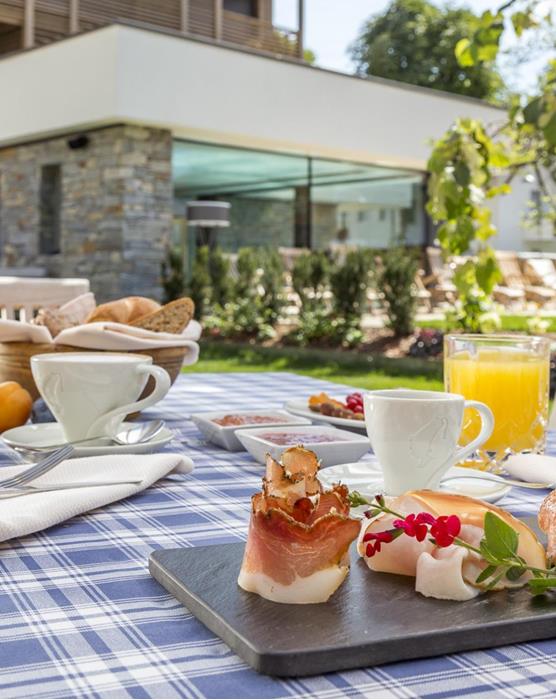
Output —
(414, 435)
(90, 393)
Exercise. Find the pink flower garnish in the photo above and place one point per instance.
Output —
(446, 529)
(375, 539)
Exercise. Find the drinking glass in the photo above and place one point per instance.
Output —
(511, 375)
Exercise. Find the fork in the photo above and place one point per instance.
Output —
(14, 492)
(38, 469)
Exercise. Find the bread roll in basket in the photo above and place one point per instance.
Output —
(138, 312)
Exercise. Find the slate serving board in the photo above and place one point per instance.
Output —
(371, 619)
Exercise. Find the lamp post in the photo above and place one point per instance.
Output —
(207, 216)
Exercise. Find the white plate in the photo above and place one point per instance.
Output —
(347, 445)
(42, 434)
(300, 408)
(225, 435)
(366, 478)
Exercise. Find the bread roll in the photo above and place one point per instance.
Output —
(171, 318)
(124, 310)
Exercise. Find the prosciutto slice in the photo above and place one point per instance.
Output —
(299, 535)
(547, 523)
(447, 573)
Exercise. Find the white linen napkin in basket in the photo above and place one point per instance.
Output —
(33, 512)
(104, 335)
(20, 332)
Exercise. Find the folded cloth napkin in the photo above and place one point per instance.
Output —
(33, 512)
(531, 467)
(105, 335)
(19, 332)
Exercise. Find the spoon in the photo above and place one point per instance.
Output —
(501, 480)
(137, 434)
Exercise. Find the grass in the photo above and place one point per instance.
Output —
(510, 322)
(350, 368)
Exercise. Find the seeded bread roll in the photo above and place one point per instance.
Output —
(124, 310)
(171, 318)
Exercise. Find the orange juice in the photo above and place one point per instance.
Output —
(513, 382)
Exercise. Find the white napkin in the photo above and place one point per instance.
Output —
(105, 335)
(30, 513)
(530, 467)
(20, 332)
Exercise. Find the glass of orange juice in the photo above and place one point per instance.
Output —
(511, 375)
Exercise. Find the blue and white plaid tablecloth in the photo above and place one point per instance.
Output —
(80, 615)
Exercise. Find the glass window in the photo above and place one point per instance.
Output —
(286, 200)
(49, 207)
(244, 7)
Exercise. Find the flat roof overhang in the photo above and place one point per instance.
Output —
(220, 94)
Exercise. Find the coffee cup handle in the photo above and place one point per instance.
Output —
(487, 426)
(161, 387)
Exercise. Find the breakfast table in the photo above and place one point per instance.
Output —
(80, 616)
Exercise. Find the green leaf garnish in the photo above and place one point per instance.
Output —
(501, 540)
(487, 572)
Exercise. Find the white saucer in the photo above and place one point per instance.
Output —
(366, 478)
(32, 435)
(300, 408)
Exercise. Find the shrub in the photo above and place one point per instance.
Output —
(310, 275)
(247, 269)
(349, 282)
(199, 288)
(272, 282)
(219, 273)
(172, 275)
(395, 279)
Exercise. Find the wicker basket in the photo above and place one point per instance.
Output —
(15, 362)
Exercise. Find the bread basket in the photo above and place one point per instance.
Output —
(15, 361)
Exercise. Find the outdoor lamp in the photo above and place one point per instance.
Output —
(207, 215)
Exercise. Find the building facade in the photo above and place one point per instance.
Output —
(109, 133)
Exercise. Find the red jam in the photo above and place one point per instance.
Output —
(250, 419)
(283, 438)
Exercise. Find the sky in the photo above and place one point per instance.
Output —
(332, 25)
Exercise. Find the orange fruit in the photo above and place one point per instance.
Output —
(15, 405)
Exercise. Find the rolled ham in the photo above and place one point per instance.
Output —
(547, 523)
(448, 573)
(299, 535)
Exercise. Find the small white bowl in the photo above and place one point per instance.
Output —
(345, 445)
(225, 435)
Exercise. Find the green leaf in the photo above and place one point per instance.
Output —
(464, 54)
(541, 585)
(533, 110)
(494, 581)
(514, 573)
(549, 130)
(487, 554)
(462, 174)
(500, 539)
(487, 572)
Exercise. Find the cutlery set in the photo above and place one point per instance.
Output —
(20, 484)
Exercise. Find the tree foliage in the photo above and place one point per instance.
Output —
(414, 40)
(472, 163)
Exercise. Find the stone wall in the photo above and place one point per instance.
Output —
(116, 208)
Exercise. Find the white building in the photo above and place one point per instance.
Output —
(105, 135)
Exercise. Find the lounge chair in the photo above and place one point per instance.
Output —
(515, 289)
(439, 281)
(540, 272)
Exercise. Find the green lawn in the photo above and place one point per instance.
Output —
(346, 368)
(510, 322)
